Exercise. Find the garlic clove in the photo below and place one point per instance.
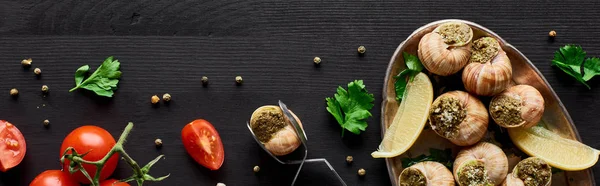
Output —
(517, 106)
(273, 131)
(459, 117)
(489, 71)
(447, 49)
(426, 173)
(481, 163)
(533, 171)
(512, 181)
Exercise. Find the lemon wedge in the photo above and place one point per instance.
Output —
(559, 152)
(409, 119)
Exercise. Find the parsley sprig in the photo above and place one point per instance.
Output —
(351, 107)
(572, 60)
(442, 156)
(414, 66)
(103, 81)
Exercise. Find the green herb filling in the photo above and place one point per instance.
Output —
(484, 50)
(455, 33)
(474, 174)
(506, 111)
(534, 172)
(412, 177)
(446, 115)
(267, 124)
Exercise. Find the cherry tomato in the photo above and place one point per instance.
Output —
(113, 182)
(54, 178)
(98, 142)
(203, 143)
(12, 146)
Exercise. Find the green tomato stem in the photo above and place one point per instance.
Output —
(140, 174)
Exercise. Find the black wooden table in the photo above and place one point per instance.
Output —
(167, 46)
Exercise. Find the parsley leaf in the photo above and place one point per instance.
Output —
(414, 66)
(591, 67)
(400, 84)
(442, 156)
(556, 170)
(103, 81)
(412, 62)
(350, 108)
(572, 60)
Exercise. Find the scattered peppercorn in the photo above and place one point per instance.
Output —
(362, 49)
(37, 71)
(317, 60)
(238, 80)
(154, 99)
(552, 33)
(14, 92)
(158, 142)
(256, 168)
(204, 80)
(26, 62)
(221, 184)
(46, 122)
(45, 89)
(362, 172)
(349, 159)
(167, 97)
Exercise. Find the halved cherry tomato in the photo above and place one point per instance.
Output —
(54, 178)
(202, 141)
(12, 146)
(113, 182)
(97, 142)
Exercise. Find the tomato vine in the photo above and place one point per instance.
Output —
(140, 174)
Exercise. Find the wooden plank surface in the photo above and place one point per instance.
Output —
(166, 46)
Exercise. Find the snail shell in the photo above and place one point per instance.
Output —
(489, 71)
(533, 171)
(484, 163)
(459, 117)
(281, 142)
(511, 180)
(520, 105)
(447, 49)
(428, 173)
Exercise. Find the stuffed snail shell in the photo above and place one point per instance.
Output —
(272, 129)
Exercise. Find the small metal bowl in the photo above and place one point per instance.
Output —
(556, 117)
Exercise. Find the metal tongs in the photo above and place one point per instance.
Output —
(288, 116)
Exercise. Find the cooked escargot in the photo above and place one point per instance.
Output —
(459, 117)
(489, 71)
(532, 171)
(511, 180)
(520, 105)
(274, 131)
(481, 164)
(428, 173)
(447, 49)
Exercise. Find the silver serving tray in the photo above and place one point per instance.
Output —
(555, 116)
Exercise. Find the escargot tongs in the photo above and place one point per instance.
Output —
(300, 132)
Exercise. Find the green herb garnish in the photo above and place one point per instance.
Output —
(103, 81)
(351, 108)
(572, 60)
(414, 66)
(556, 170)
(442, 156)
